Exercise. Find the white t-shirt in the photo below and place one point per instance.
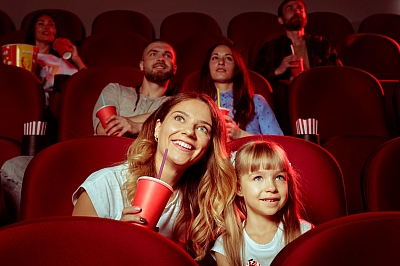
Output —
(263, 254)
(49, 65)
(105, 190)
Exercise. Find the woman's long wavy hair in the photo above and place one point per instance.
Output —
(205, 188)
(243, 89)
(251, 157)
(30, 37)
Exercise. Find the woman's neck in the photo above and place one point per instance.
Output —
(224, 87)
(44, 48)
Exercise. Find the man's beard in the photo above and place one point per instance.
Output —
(295, 23)
(158, 76)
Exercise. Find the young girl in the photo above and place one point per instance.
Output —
(268, 205)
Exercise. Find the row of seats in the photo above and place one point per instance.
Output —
(242, 28)
(326, 194)
(364, 239)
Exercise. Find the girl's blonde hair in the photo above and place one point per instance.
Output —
(253, 156)
(205, 187)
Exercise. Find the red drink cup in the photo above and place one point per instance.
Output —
(224, 111)
(105, 112)
(297, 70)
(62, 49)
(152, 196)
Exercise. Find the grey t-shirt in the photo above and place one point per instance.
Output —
(124, 99)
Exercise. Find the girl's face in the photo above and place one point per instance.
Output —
(186, 132)
(222, 64)
(265, 192)
(45, 29)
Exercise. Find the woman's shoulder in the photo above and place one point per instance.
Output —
(115, 173)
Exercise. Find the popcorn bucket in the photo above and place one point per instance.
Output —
(21, 55)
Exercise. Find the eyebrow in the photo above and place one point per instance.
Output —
(219, 54)
(187, 115)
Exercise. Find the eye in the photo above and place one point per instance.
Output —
(152, 54)
(258, 178)
(52, 25)
(168, 55)
(214, 58)
(230, 59)
(179, 118)
(280, 177)
(203, 129)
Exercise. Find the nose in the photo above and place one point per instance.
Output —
(221, 61)
(270, 185)
(189, 131)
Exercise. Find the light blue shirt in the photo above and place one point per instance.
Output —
(264, 121)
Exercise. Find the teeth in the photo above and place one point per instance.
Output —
(183, 144)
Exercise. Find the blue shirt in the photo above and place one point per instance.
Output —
(263, 122)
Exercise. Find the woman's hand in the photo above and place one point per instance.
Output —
(75, 58)
(234, 131)
(131, 215)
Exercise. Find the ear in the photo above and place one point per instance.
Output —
(141, 65)
(157, 128)
(175, 68)
(280, 20)
(239, 190)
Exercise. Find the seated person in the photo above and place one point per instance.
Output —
(250, 114)
(276, 56)
(42, 31)
(134, 105)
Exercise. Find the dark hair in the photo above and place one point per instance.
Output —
(243, 89)
(280, 8)
(30, 33)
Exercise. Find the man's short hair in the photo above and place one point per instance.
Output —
(280, 8)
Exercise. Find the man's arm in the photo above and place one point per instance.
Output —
(130, 125)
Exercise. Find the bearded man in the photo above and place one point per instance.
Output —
(134, 105)
(276, 56)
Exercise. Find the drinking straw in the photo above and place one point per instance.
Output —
(102, 98)
(162, 163)
(291, 47)
(218, 98)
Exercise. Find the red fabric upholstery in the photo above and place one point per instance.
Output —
(86, 241)
(330, 25)
(56, 172)
(113, 49)
(68, 23)
(261, 85)
(123, 20)
(258, 44)
(80, 93)
(245, 28)
(344, 100)
(6, 23)
(385, 24)
(381, 178)
(182, 25)
(22, 101)
(320, 176)
(360, 239)
(389, 88)
(9, 149)
(396, 106)
(351, 152)
(376, 54)
(17, 36)
(189, 61)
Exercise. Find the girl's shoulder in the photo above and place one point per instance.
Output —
(305, 226)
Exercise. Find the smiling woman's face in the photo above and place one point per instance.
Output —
(222, 64)
(45, 29)
(186, 131)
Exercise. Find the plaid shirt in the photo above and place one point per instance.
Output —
(319, 51)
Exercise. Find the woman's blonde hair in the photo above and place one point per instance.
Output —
(205, 187)
(253, 156)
